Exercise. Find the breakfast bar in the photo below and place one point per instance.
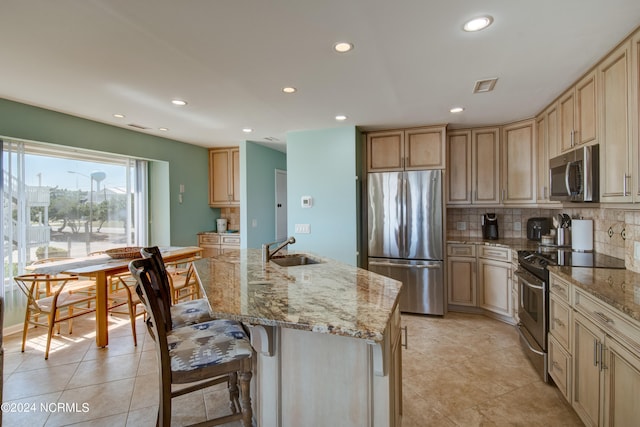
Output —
(326, 335)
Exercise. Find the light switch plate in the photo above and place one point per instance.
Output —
(461, 225)
(303, 229)
(636, 250)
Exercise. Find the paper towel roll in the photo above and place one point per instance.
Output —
(582, 235)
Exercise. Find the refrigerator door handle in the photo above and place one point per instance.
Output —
(392, 264)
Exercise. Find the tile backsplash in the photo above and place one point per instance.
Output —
(233, 217)
(616, 231)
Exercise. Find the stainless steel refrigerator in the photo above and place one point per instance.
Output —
(406, 235)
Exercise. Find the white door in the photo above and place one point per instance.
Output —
(281, 205)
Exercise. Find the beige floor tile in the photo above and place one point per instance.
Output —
(143, 417)
(460, 369)
(119, 420)
(97, 371)
(29, 411)
(102, 400)
(145, 392)
(38, 381)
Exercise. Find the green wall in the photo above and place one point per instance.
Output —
(187, 164)
(258, 192)
(324, 164)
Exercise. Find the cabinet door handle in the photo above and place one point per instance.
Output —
(602, 365)
(595, 352)
(603, 317)
(573, 133)
(558, 321)
(406, 338)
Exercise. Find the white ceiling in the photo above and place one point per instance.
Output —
(230, 59)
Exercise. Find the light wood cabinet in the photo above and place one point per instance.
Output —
(461, 264)
(473, 166)
(578, 114)
(615, 127)
(213, 244)
(224, 177)
(559, 338)
(518, 163)
(595, 362)
(635, 111)
(459, 189)
(494, 280)
(547, 148)
(406, 149)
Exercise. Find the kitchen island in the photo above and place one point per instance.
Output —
(326, 335)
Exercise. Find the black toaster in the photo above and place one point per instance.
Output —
(538, 227)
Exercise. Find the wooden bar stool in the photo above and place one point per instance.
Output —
(201, 355)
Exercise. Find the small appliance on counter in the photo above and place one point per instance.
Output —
(582, 235)
(490, 226)
(538, 227)
(221, 225)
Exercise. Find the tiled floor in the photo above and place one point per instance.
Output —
(461, 370)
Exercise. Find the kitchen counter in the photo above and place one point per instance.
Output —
(618, 288)
(326, 335)
(515, 244)
(329, 297)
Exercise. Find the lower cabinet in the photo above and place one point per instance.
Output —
(599, 373)
(479, 279)
(213, 244)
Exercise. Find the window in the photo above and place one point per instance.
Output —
(66, 202)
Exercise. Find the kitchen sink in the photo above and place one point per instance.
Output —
(294, 260)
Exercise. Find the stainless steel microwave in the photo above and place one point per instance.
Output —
(574, 177)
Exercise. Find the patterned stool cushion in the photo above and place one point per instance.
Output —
(190, 312)
(194, 348)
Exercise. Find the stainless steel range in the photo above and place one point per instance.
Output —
(533, 286)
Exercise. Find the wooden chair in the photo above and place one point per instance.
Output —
(182, 280)
(69, 299)
(200, 355)
(182, 313)
(123, 300)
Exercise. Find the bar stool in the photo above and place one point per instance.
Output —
(201, 355)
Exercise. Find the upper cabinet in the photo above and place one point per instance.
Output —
(635, 110)
(519, 163)
(615, 126)
(409, 149)
(473, 166)
(577, 113)
(547, 148)
(224, 177)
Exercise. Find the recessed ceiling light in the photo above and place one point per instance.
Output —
(179, 102)
(341, 117)
(342, 47)
(118, 116)
(247, 130)
(457, 110)
(477, 24)
(289, 89)
(163, 129)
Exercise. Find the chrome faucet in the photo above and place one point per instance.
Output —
(267, 254)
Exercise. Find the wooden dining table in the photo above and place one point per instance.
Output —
(100, 268)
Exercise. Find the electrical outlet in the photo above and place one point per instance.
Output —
(636, 294)
(461, 225)
(254, 223)
(303, 229)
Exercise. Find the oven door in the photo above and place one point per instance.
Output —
(533, 306)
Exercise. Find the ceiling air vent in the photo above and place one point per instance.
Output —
(133, 125)
(487, 85)
(271, 138)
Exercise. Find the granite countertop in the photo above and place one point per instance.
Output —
(513, 243)
(226, 233)
(618, 288)
(329, 297)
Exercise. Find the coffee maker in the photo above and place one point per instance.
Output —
(489, 226)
